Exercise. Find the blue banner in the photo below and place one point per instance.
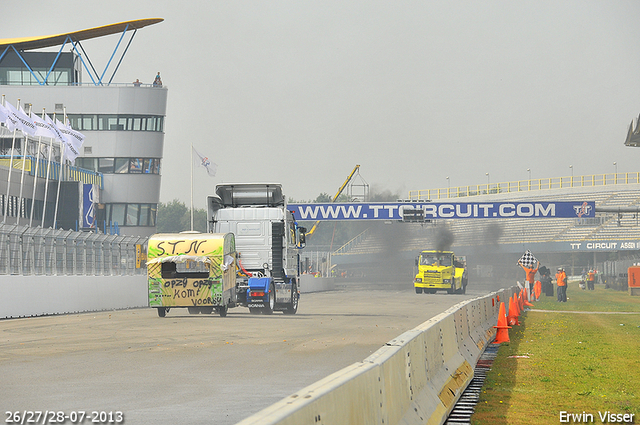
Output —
(88, 207)
(416, 211)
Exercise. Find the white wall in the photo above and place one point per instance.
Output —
(24, 296)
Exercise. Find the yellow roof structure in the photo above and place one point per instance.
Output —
(31, 43)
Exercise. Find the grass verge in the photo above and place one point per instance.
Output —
(581, 357)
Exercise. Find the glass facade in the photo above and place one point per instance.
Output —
(14, 72)
(120, 165)
(22, 77)
(114, 122)
(128, 214)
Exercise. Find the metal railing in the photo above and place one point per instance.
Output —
(28, 250)
(352, 243)
(526, 185)
(69, 172)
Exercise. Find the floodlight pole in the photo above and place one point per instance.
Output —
(571, 167)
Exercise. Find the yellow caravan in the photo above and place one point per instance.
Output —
(193, 270)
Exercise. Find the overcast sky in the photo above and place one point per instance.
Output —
(299, 92)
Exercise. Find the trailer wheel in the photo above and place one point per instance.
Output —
(418, 290)
(293, 307)
(223, 311)
(162, 311)
(271, 303)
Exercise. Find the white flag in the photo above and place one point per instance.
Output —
(205, 162)
(74, 141)
(19, 120)
(12, 122)
(43, 128)
(58, 135)
(3, 113)
(28, 126)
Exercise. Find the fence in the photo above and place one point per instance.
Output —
(28, 250)
(316, 263)
(614, 273)
(526, 185)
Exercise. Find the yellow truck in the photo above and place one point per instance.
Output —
(440, 270)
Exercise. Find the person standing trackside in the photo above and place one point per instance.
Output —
(530, 276)
(591, 277)
(561, 280)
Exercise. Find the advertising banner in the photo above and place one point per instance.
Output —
(441, 210)
(88, 206)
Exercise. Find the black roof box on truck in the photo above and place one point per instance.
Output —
(245, 194)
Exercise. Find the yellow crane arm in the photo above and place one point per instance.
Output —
(346, 182)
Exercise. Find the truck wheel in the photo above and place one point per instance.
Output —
(271, 303)
(293, 307)
(452, 290)
(464, 286)
(162, 311)
(223, 311)
(418, 290)
(193, 310)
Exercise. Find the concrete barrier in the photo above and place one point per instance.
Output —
(309, 283)
(36, 295)
(415, 378)
(24, 296)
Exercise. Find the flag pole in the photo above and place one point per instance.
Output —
(46, 180)
(35, 176)
(192, 186)
(13, 147)
(25, 149)
(62, 148)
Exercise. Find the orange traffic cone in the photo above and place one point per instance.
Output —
(525, 300)
(513, 313)
(537, 289)
(502, 333)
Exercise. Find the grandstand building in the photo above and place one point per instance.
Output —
(115, 182)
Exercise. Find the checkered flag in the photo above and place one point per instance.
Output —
(528, 260)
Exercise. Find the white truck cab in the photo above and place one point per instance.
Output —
(267, 242)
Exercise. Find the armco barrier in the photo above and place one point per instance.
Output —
(415, 378)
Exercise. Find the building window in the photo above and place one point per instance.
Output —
(107, 122)
(117, 213)
(131, 214)
(135, 165)
(120, 165)
(105, 165)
